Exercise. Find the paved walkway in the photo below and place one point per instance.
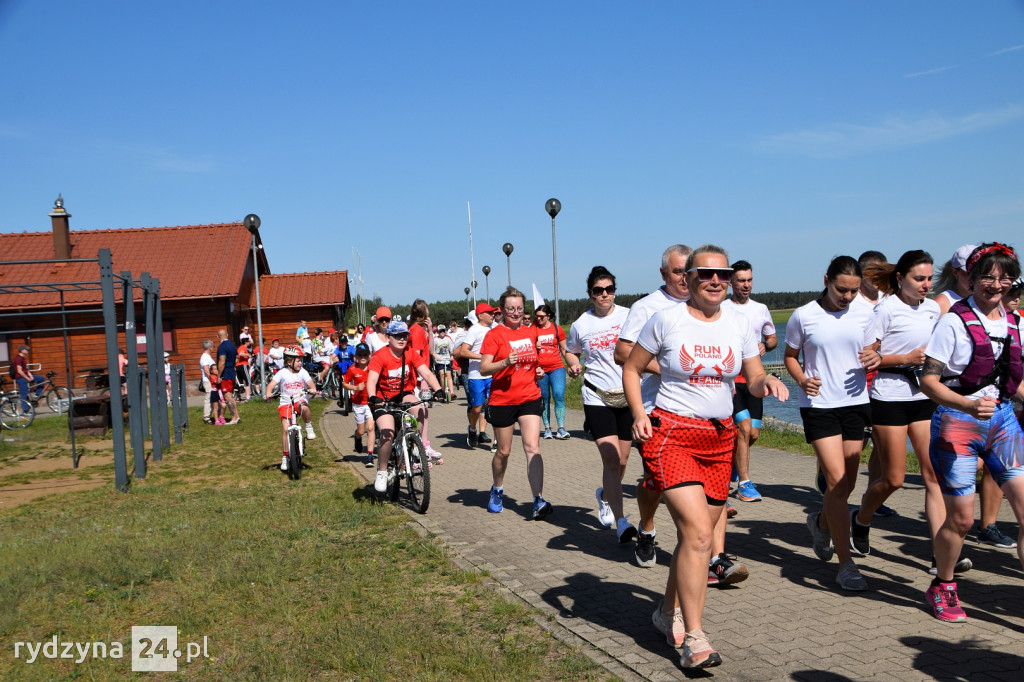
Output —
(787, 621)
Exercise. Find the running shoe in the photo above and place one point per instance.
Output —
(961, 566)
(472, 439)
(670, 625)
(819, 480)
(995, 537)
(730, 511)
(547, 433)
(432, 453)
(646, 550)
(236, 420)
(850, 579)
(945, 604)
(541, 508)
(562, 433)
(625, 530)
(380, 482)
(859, 541)
(309, 431)
(368, 460)
(747, 492)
(484, 438)
(284, 463)
(884, 511)
(821, 539)
(724, 571)
(494, 505)
(697, 652)
(604, 512)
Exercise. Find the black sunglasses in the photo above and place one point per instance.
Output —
(404, 336)
(383, 320)
(597, 291)
(708, 274)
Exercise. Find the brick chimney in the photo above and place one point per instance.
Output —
(61, 230)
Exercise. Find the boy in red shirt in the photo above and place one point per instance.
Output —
(355, 381)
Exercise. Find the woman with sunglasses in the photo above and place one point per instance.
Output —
(376, 336)
(551, 353)
(699, 349)
(592, 340)
(835, 339)
(509, 353)
(973, 370)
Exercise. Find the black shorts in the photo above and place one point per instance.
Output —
(603, 421)
(502, 416)
(853, 422)
(901, 412)
(743, 401)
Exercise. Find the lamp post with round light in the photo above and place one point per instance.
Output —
(467, 300)
(252, 223)
(508, 248)
(552, 207)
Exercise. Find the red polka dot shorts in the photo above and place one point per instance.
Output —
(690, 451)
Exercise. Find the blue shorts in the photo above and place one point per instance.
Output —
(477, 391)
(958, 439)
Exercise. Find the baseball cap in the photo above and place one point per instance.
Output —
(485, 308)
(960, 256)
(362, 349)
(442, 328)
(383, 311)
(396, 327)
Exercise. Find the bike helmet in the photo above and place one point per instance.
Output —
(362, 349)
(292, 352)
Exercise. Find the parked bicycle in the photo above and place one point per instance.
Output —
(15, 413)
(408, 462)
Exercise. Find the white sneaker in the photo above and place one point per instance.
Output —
(284, 463)
(433, 454)
(625, 530)
(604, 511)
(380, 483)
(309, 432)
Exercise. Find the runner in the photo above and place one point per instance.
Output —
(376, 338)
(689, 437)
(509, 353)
(551, 349)
(441, 352)
(972, 371)
(592, 339)
(748, 410)
(832, 386)
(354, 379)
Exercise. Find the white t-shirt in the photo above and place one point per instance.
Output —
(757, 314)
(594, 338)
(205, 361)
(639, 314)
(307, 346)
(375, 343)
(901, 328)
(475, 340)
(951, 345)
(699, 360)
(861, 301)
(292, 384)
(457, 337)
(831, 345)
(443, 349)
(276, 356)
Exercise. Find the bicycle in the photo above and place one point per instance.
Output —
(443, 373)
(296, 440)
(58, 398)
(15, 413)
(408, 461)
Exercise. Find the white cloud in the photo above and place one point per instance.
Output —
(1005, 50)
(847, 139)
(931, 71)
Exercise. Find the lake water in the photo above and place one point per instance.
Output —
(788, 411)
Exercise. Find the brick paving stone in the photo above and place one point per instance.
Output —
(788, 620)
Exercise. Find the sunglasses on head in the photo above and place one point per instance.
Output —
(597, 291)
(708, 274)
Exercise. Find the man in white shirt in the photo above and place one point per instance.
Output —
(478, 387)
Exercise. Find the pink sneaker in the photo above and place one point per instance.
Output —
(945, 603)
(670, 625)
(220, 422)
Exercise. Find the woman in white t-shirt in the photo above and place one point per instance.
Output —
(973, 383)
(904, 321)
(592, 339)
(688, 439)
(834, 338)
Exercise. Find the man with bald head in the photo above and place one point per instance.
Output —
(226, 353)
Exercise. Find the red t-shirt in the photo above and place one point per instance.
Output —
(389, 384)
(419, 341)
(548, 341)
(517, 384)
(355, 376)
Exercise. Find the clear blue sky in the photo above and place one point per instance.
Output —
(787, 132)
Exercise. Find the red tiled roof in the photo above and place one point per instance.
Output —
(303, 289)
(194, 261)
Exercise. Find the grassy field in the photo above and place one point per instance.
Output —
(285, 580)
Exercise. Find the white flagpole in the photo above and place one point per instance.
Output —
(472, 267)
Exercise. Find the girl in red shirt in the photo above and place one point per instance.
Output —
(420, 341)
(509, 353)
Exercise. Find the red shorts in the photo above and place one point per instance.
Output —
(690, 451)
(227, 385)
(286, 410)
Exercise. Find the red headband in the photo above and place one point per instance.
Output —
(984, 250)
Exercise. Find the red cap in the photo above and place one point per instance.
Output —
(383, 311)
(485, 308)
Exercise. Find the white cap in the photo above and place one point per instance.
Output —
(960, 256)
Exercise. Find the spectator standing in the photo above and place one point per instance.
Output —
(226, 354)
(206, 361)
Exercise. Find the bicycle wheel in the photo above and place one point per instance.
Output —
(15, 415)
(58, 399)
(418, 481)
(294, 458)
(343, 403)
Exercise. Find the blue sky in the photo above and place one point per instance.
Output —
(787, 132)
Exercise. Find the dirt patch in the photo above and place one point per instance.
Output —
(14, 495)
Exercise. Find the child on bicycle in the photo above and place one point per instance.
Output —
(355, 381)
(393, 371)
(294, 380)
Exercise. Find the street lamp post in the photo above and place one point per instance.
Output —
(252, 223)
(487, 281)
(507, 248)
(553, 206)
(467, 300)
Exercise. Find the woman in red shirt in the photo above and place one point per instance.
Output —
(509, 353)
(551, 351)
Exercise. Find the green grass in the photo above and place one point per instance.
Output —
(287, 579)
(794, 442)
(781, 317)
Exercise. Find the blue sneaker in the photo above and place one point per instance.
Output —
(747, 492)
(541, 508)
(884, 511)
(494, 505)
